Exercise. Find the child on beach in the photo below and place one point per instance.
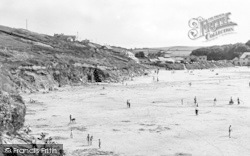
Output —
(230, 130)
(71, 133)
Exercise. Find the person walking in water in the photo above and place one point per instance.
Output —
(99, 143)
(215, 100)
(238, 100)
(230, 130)
(88, 138)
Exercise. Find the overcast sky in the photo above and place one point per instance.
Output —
(128, 23)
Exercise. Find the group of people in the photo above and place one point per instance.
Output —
(157, 72)
(215, 100)
(232, 102)
(90, 140)
(157, 79)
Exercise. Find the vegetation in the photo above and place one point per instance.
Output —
(224, 52)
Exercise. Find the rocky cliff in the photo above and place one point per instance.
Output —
(32, 62)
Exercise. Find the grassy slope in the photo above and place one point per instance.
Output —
(21, 51)
(174, 50)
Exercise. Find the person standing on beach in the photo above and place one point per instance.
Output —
(71, 134)
(231, 101)
(128, 103)
(238, 100)
(215, 101)
(230, 130)
(181, 101)
(99, 143)
(88, 139)
(196, 111)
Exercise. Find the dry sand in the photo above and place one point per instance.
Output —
(157, 123)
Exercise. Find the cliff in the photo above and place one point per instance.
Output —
(32, 62)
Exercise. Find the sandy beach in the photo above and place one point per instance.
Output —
(157, 122)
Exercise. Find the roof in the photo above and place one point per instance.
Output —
(166, 55)
(165, 59)
(91, 45)
(96, 45)
(107, 46)
(64, 36)
(236, 58)
(178, 58)
(170, 60)
(245, 54)
(119, 49)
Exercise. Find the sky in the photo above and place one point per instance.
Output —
(126, 23)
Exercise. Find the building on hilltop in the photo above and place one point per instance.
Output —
(107, 47)
(70, 38)
(163, 60)
(144, 60)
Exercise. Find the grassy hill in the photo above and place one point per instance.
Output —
(223, 52)
(32, 62)
(174, 50)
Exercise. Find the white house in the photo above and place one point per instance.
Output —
(244, 59)
(164, 60)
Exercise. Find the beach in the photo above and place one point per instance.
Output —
(158, 122)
